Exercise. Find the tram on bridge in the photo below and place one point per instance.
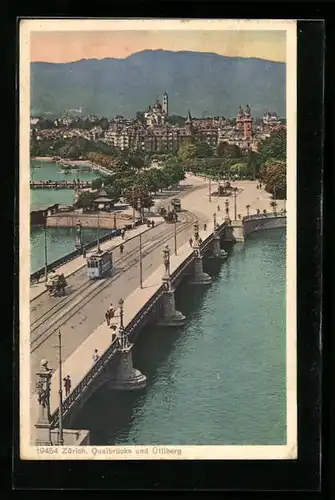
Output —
(176, 203)
(99, 264)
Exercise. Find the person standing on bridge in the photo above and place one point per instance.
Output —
(121, 248)
(67, 385)
(191, 241)
(122, 233)
(95, 356)
(205, 227)
(218, 208)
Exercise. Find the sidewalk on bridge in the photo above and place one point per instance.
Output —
(81, 360)
(74, 265)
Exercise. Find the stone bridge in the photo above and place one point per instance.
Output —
(114, 367)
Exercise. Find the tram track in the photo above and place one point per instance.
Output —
(49, 322)
(62, 301)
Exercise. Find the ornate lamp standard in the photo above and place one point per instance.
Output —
(43, 386)
(214, 222)
(227, 218)
(122, 338)
(166, 260)
(78, 243)
(175, 232)
(196, 239)
(235, 206)
(45, 251)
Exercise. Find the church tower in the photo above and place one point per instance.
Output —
(166, 103)
(247, 123)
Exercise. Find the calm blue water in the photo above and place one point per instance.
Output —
(46, 170)
(221, 378)
(60, 241)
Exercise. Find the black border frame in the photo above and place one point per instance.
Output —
(304, 473)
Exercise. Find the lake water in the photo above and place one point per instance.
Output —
(221, 378)
(60, 241)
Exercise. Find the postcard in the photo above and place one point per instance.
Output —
(158, 239)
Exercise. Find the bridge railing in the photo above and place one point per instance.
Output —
(101, 363)
(267, 215)
(84, 385)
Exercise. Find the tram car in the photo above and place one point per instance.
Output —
(176, 203)
(99, 265)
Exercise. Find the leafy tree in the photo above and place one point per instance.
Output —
(229, 151)
(85, 200)
(273, 147)
(138, 194)
(273, 175)
(186, 155)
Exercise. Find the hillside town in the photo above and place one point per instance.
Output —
(154, 130)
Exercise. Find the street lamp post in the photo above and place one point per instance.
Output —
(141, 267)
(133, 198)
(235, 205)
(98, 230)
(121, 327)
(227, 218)
(60, 393)
(175, 233)
(209, 190)
(166, 260)
(139, 207)
(45, 251)
(214, 221)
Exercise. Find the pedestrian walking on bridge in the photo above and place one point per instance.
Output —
(121, 248)
(95, 356)
(67, 385)
(205, 227)
(191, 241)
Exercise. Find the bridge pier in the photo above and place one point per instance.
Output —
(217, 252)
(229, 234)
(127, 377)
(199, 278)
(171, 317)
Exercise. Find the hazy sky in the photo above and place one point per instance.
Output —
(67, 46)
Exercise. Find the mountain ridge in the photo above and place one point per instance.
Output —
(207, 83)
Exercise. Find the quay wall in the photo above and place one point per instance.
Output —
(253, 223)
(106, 220)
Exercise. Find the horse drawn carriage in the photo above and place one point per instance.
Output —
(56, 284)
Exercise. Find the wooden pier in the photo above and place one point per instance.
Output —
(60, 184)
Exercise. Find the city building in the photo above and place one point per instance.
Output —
(157, 115)
(155, 134)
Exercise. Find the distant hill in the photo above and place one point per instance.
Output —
(207, 84)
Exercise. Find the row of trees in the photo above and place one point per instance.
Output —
(133, 184)
(272, 157)
(268, 164)
(71, 148)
